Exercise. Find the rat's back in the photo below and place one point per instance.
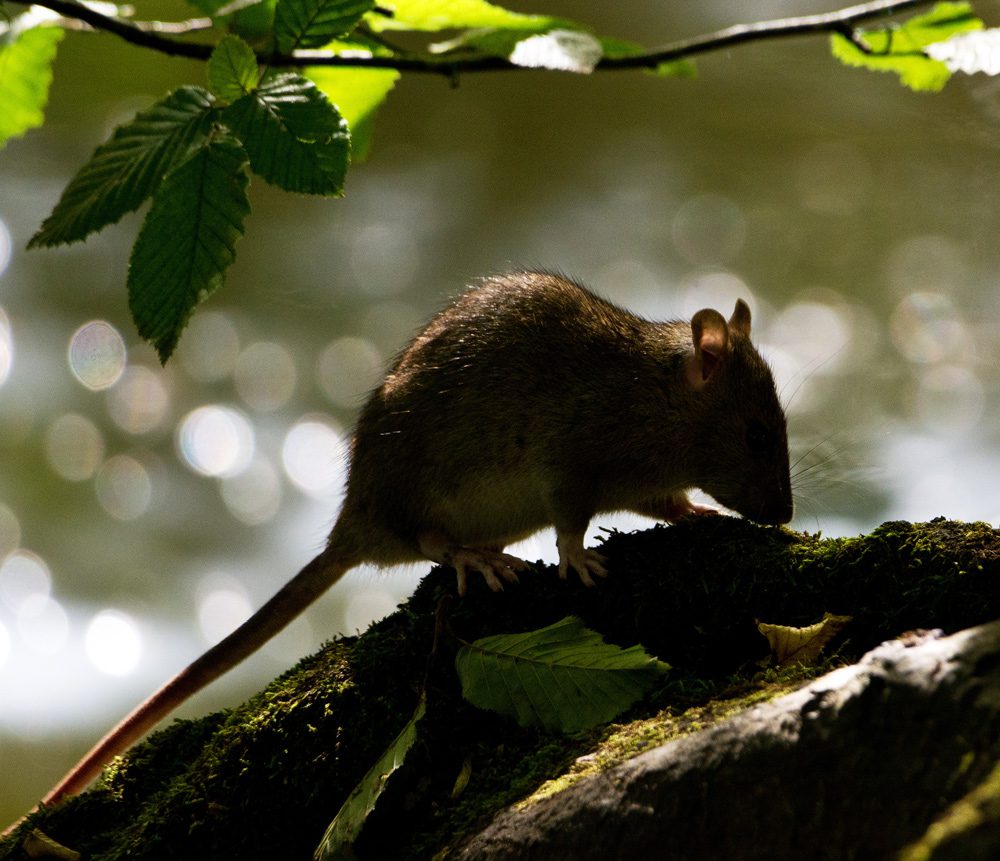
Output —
(500, 396)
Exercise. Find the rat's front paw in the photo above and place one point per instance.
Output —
(572, 554)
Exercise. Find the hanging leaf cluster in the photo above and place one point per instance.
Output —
(191, 154)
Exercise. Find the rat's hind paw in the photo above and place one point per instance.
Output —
(489, 563)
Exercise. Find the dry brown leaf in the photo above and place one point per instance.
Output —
(802, 645)
(38, 844)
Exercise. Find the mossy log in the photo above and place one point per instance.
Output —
(264, 779)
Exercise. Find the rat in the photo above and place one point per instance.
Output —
(528, 402)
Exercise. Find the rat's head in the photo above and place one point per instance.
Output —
(741, 442)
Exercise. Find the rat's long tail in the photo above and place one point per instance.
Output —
(304, 588)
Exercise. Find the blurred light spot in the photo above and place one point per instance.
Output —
(113, 643)
(42, 624)
(5, 246)
(253, 496)
(139, 403)
(97, 355)
(815, 336)
(348, 369)
(950, 399)
(709, 229)
(265, 376)
(216, 440)
(314, 457)
(210, 346)
(6, 347)
(367, 606)
(925, 328)
(4, 645)
(926, 264)
(10, 531)
(384, 258)
(74, 447)
(932, 474)
(23, 575)
(124, 488)
(833, 179)
(718, 290)
(223, 606)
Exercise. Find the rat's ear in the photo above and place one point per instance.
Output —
(710, 336)
(740, 321)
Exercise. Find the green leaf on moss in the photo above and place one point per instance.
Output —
(342, 833)
(232, 69)
(188, 240)
(900, 48)
(127, 169)
(563, 678)
(315, 23)
(295, 138)
(26, 57)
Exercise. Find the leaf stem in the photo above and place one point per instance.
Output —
(155, 36)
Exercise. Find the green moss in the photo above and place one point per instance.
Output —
(263, 780)
(620, 742)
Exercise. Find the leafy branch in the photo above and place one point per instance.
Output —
(293, 86)
(152, 35)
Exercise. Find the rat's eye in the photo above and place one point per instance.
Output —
(758, 438)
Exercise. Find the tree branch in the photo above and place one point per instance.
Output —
(152, 35)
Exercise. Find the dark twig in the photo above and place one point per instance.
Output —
(153, 35)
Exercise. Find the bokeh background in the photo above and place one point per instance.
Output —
(144, 510)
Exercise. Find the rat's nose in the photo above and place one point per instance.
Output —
(776, 512)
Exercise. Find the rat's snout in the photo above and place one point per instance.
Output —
(777, 513)
(771, 508)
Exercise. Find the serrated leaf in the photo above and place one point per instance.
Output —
(342, 833)
(802, 645)
(357, 94)
(232, 69)
(25, 75)
(295, 138)
(188, 240)
(563, 678)
(127, 169)
(969, 52)
(433, 15)
(315, 23)
(900, 48)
